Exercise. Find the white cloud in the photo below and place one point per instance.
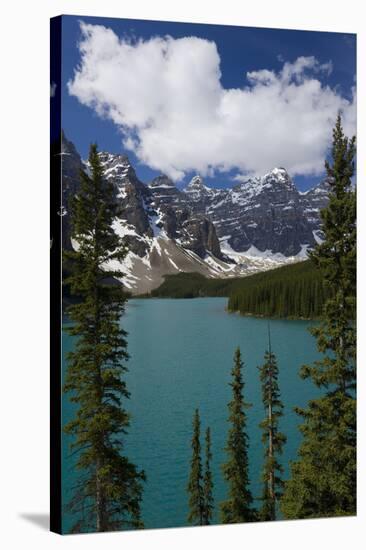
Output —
(166, 97)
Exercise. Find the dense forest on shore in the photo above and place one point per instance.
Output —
(295, 290)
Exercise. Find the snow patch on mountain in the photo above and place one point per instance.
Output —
(122, 228)
(264, 257)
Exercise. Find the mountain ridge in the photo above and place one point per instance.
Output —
(257, 224)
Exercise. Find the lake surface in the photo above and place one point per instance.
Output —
(181, 357)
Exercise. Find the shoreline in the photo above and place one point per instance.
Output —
(229, 311)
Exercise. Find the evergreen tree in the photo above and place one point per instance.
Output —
(237, 508)
(195, 483)
(108, 492)
(294, 291)
(272, 437)
(207, 482)
(323, 481)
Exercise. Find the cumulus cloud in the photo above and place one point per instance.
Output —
(166, 97)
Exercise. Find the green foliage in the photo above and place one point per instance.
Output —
(295, 291)
(195, 487)
(272, 438)
(108, 492)
(237, 508)
(323, 480)
(207, 482)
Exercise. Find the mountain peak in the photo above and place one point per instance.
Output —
(279, 173)
(322, 188)
(115, 166)
(197, 187)
(196, 181)
(280, 170)
(113, 159)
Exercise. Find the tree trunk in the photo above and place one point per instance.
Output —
(270, 452)
(271, 488)
(100, 501)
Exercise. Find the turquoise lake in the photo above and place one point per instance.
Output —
(181, 357)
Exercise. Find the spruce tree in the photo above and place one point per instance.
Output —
(108, 491)
(237, 508)
(208, 501)
(323, 480)
(272, 438)
(195, 483)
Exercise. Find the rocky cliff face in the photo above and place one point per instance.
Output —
(313, 201)
(254, 225)
(200, 236)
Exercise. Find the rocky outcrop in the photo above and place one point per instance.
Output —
(201, 236)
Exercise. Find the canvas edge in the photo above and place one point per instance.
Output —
(55, 276)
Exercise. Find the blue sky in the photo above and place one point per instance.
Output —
(240, 49)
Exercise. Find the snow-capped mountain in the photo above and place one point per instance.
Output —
(266, 213)
(197, 191)
(255, 225)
